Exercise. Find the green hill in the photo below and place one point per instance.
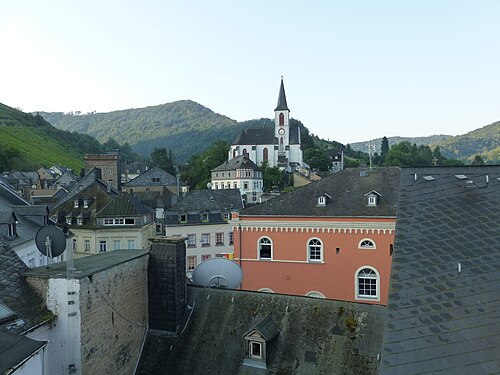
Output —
(184, 126)
(29, 142)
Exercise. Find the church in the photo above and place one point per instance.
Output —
(278, 146)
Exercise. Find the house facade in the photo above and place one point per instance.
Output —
(279, 146)
(202, 217)
(240, 173)
(330, 239)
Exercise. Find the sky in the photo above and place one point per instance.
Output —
(353, 70)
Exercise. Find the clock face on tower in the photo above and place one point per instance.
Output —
(281, 131)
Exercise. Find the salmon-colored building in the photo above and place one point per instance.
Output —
(330, 239)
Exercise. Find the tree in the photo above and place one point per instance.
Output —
(162, 159)
(384, 149)
(317, 158)
(436, 156)
(197, 171)
(478, 160)
(271, 176)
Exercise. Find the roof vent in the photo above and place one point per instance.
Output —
(469, 184)
(461, 176)
(363, 174)
(428, 178)
(212, 199)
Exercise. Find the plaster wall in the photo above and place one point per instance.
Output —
(290, 271)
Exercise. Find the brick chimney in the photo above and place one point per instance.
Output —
(167, 283)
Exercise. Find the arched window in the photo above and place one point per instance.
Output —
(366, 243)
(265, 154)
(367, 283)
(265, 290)
(265, 248)
(282, 119)
(235, 153)
(245, 152)
(315, 294)
(315, 250)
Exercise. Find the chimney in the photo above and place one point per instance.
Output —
(167, 284)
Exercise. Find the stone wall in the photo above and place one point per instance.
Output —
(114, 318)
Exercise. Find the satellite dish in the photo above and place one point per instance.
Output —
(218, 273)
(50, 241)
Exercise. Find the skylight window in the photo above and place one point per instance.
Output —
(428, 178)
(461, 176)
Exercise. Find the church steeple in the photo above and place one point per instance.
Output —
(282, 106)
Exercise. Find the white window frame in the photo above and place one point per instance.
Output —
(372, 200)
(76, 203)
(191, 240)
(376, 277)
(115, 243)
(131, 244)
(251, 352)
(362, 244)
(231, 238)
(309, 250)
(221, 235)
(86, 245)
(315, 294)
(189, 267)
(259, 243)
(322, 201)
(205, 239)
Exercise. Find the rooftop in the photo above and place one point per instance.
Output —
(86, 266)
(443, 309)
(315, 336)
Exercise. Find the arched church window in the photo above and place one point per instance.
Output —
(282, 119)
(245, 152)
(265, 154)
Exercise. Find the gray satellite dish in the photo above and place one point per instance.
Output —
(50, 241)
(218, 273)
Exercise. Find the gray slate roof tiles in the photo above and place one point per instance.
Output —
(347, 190)
(441, 320)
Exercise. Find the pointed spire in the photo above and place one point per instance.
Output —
(282, 106)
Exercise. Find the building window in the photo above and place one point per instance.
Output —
(204, 216)
(86, 245)
(366, 243)
(205, 257)
(226, 215)
(322, 201)
(219, 239)
(315, 250)
(68, 220)
(110, 182)
(191, 263)
(245, 185)
(282, 119)
(102, 246)
(85, 203)
(183, 217)
(245, 152)
(216, 185)
(129, 221)
(367, 283)
(265, 248)
(156, 179)
(265, 290)
(74, 245)
(231, 238)
(117, 244)
(205, 239)
(12, 230)
(255, 349)
(372, 200)
(235, 185)
(315, 294)
(130, 244)
(191, 241)
(265, 154)
(79, 221)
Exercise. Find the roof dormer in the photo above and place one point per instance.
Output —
(322, 199)
(372, 198)
(257, 342)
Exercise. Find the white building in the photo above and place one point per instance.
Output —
(239, 173)
(279, 146)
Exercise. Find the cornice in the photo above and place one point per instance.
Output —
(337, 227)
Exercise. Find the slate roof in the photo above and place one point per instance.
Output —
(282, 106)
(440, 320)
(213, 201)
(265, 136)
(266, 327)
(146, 178)
(15, 348)
(124, 205)
(314, 336)
(239, 162)
(347, 189)
(8, 194)
(15, 292)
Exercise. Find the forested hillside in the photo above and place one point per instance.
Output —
(185, 127)
(29, 142)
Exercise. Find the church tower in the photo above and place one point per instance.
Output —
(281, 121)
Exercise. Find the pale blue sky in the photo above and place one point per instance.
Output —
(353, 70)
